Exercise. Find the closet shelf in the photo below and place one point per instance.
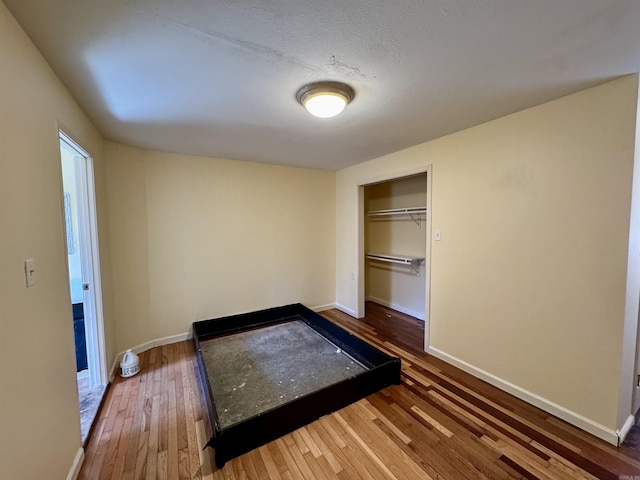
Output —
(414, 212)
(413, 262)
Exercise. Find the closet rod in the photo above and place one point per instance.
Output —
(413, 262)
(390, 258)
(397, 211)
(415, 213)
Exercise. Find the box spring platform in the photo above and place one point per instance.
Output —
(267, 373)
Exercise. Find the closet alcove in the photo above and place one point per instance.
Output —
(395, 244)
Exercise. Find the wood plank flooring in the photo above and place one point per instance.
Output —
(440, 423)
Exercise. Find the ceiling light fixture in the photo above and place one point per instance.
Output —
(325, 99)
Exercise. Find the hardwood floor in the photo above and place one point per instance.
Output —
(440, 423)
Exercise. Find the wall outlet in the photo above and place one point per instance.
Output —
(30, 271)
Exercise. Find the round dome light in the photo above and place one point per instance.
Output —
(325, 99)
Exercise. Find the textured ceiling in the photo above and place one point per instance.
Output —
(218, 78)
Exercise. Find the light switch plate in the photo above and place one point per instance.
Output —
(437, 236)
(30, 271)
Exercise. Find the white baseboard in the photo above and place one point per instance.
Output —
(622, 433)
(586, 424)
(399, 308)
(158, 342)
(346, 310)
(322, 308)
(143, 347)
(77, 465)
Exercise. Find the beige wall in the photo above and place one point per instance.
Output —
(396, 286)
(528, 282)
(195, 238)
(40, 433)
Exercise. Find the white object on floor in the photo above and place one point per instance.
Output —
(130, 364)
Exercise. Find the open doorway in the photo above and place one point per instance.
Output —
(84, 278)
(394, 244)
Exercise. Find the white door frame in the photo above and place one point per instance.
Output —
(360, 266)
(90, 260)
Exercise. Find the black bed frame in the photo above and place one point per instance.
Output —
(382, 370)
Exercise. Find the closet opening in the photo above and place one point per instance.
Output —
(395, 242)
